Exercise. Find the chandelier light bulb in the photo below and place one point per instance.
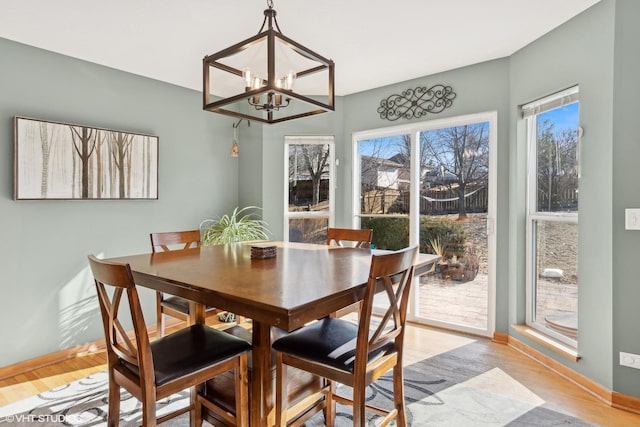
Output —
(288, 80)
(248, 78)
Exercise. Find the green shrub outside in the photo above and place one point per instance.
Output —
(392, 233)
(447, 231)
(389, 232)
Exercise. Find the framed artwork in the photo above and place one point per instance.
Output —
(64, 161)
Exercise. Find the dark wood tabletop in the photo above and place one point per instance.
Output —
(303, 282)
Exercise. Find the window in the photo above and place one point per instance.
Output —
(309, 177)
(552, 215)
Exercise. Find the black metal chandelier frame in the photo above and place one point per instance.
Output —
(270, 86)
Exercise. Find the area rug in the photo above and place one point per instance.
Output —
(452, 389)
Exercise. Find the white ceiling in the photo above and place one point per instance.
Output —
(373, 42)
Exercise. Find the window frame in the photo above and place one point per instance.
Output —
(309, 140)
(533, 215)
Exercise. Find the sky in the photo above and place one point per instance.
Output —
(384, 148)
(566, 117)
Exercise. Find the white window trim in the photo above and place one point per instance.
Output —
(530, 111)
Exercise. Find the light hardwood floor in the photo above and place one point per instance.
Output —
(421, 342)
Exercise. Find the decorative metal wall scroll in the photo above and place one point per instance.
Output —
(416, 103)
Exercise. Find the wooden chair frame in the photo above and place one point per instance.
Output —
(392, 273)
(361, 238)
(137, 352)
(167, 241)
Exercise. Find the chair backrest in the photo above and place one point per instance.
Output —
(393, 274)
(359, 238)
(136, 351)
(167, 241)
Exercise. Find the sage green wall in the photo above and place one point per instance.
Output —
(626, 175)
(578, 52)
(47, 298)
(250, 164)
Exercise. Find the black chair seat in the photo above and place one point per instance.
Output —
(179, 304)
(154, 371)
(189, 350)
(329, 341)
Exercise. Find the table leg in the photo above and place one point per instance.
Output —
(261, 393)
(196, 315)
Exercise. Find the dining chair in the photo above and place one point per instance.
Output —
(353, 238)
(349, 237)
(170, 305)
(151, 371)
(352, 354)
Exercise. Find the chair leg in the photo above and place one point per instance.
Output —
(149, 408)
(398, 395)
(359, 401)
(113, 411)
(281, 392)
(330, 408)
(159, 316)
(195, 413)
(242, 391)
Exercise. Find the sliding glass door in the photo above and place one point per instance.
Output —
(430, 184)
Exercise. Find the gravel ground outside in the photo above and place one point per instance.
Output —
(465, 303)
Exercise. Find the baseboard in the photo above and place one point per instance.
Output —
(624, 402)
(500, 338)
(580, 380)
(66, 354)
(611, 398)
(50, 359)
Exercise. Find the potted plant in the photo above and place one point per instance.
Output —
(453, 267)
(240, 226)
(231, 229)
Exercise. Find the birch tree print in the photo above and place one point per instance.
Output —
(65, 161)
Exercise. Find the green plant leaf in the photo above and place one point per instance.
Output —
(238, 227)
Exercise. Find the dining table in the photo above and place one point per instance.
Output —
(301, 283)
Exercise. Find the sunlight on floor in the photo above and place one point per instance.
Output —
(429, 342)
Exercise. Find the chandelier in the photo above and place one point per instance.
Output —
(268, 78)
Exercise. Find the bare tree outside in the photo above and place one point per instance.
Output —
(557, 167)
(404, 156)
(461, 152)
(309, 196)
(308, 169)
(315, 161)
